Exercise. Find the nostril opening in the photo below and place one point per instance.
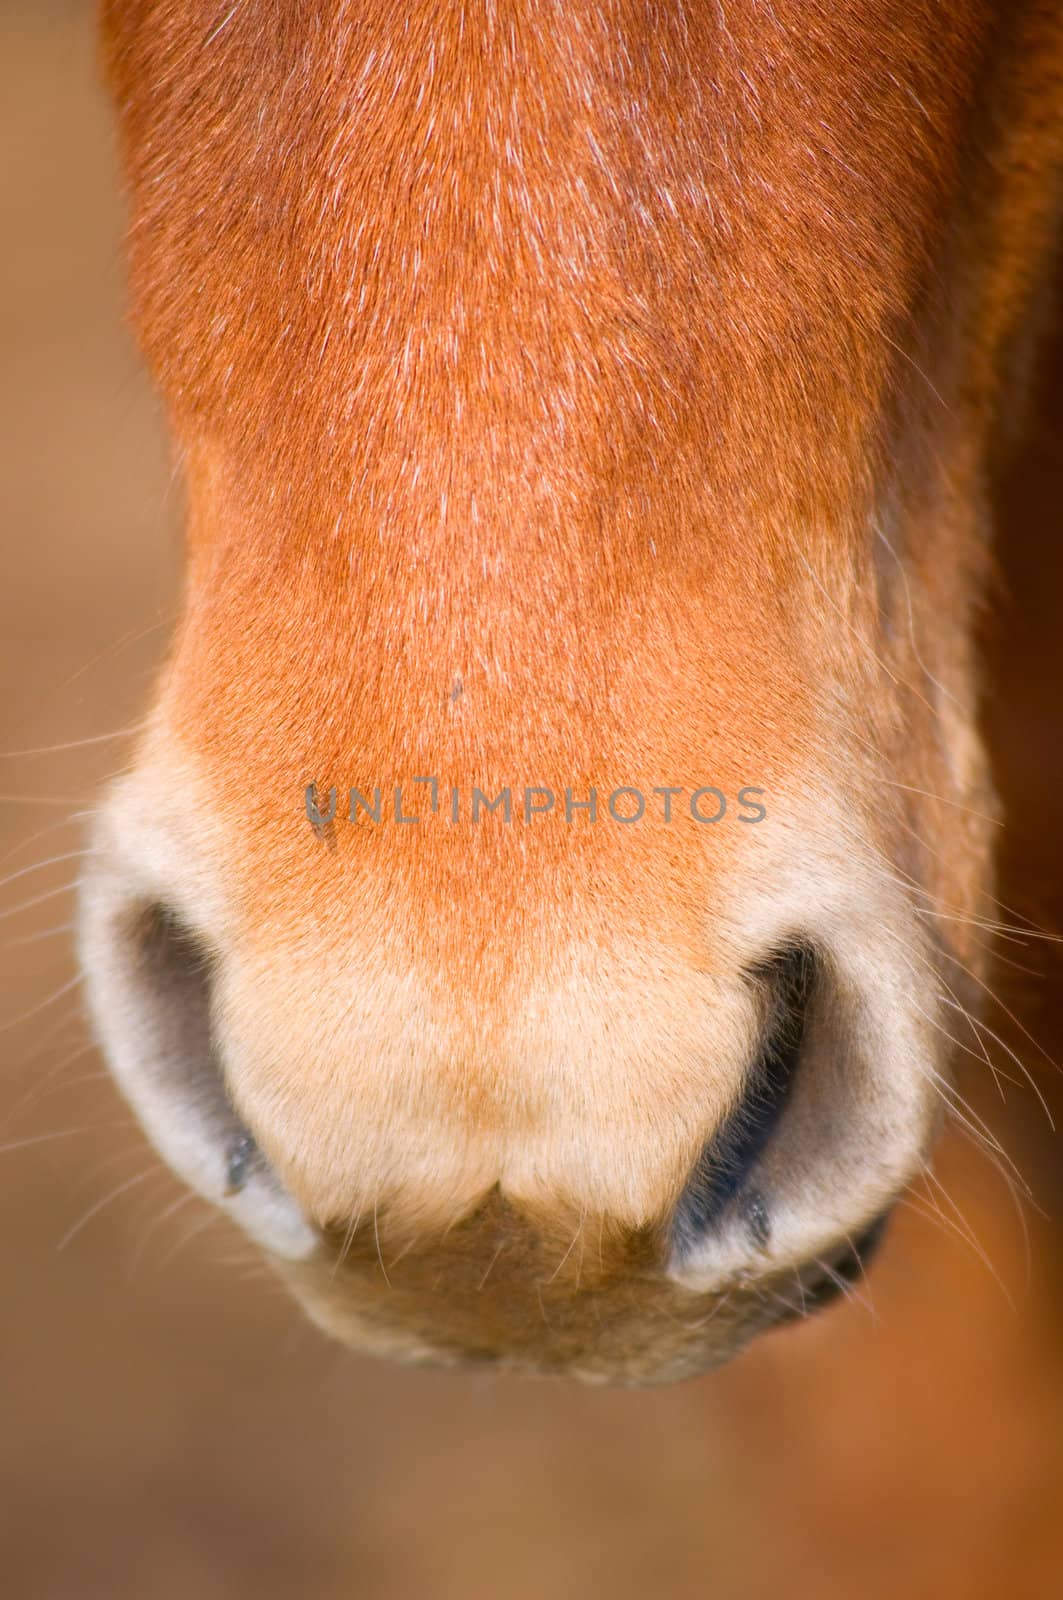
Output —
(175, 971)
(787, 979)
(150, 982)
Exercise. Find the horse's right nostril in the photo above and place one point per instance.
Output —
(726, 1164)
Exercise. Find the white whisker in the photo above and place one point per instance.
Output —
(94, 1211)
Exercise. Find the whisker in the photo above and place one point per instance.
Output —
(73, 744)
(26, 843)
(94, 1211)
(568, 1252)
(348, 1241)
(37, 938)
(865, 1295)
(984, 1027)
(946, 912)
(998, 1002)
(950, 1229)
(966, 1232)
(490, 1265)
(379, 1255)
(199, 1226)
(846, 1288)
(50, 861)
(46, 1085)
(969, 1118)
(39, 899)
(61, 1133)
(34, 799)
(721, 1304)
(966, 1049)
(45, 1040)
(169, 1211)
(25, 1016)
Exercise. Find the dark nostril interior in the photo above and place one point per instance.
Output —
(173, 970)
(787, 979)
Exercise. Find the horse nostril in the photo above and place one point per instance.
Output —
(725, 1164)
(168, 976)
(150, 983)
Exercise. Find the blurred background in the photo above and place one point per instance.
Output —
(169, 1426)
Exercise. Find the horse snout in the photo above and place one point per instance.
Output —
(557, 1176)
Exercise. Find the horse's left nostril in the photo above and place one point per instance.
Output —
(727, 1162)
